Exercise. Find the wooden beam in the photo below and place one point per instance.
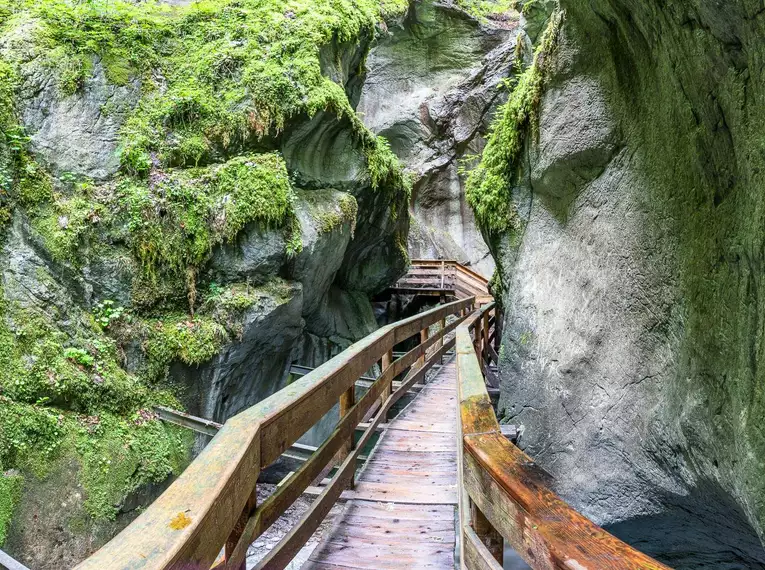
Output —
(9, 563)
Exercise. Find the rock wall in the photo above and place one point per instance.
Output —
(430, 90)
(634, 348)
(179, 254)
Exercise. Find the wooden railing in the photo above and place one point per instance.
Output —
(447, 276)
(211, 508)
(503, 495)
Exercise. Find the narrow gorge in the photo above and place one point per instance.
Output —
(198, 198)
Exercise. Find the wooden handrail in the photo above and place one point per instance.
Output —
(445, 275)
(212, 503)
(503, 495)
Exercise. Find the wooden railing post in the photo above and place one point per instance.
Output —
(347, 400)
(485, 328)
(487, 533)
(477, 340)
(387, 359)
(236, 533)
(441, 340)
(424, 333)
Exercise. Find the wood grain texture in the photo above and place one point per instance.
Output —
(403, 513)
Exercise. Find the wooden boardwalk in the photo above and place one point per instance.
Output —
(402, 514)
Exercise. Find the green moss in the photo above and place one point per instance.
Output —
(65, 395)
(487, 9)
(118, 455)
(489, 185)
(179, 338)
(22, 180)
(344, 213)
(174, 223)
(10, 494)
(294, 237)
(66, 223)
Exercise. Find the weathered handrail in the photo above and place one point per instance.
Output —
(212, 504)
(503, 496)
(444, 275)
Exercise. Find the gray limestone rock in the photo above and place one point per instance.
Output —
(250, 368)
(257, 254)
(326, 231)
(432, 86)
(633, 307)
(77, 133)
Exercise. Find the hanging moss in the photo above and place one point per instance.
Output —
(489, 185)
(174, 223)
(487, 9)
(10, 494)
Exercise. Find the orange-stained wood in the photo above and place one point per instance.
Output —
(512, 492)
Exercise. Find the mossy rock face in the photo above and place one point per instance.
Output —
(153, 236)
(432, 86)
(633, 341)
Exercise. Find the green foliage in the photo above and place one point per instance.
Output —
(79, 403)
(126, 38)
(30, 435)
(106, 313)
(489, 185)
(10, 494)
(344, 213)
(237, 71)
(483, 9)
(294, 237)
(119, 455)
(80, 357)
(175, 223)
(179, 338)
(84, 377)
(67, 222)
(116, 454)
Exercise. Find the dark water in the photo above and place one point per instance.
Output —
(705, 529)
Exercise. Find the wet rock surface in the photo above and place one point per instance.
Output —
(631, 353)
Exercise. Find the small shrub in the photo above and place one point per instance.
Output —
(80, 357)
(106, 313)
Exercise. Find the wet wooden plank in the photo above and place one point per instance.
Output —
(403, 511)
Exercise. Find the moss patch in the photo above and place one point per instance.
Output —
(488, 9)
(489, 185)
(175, 222)
(63, 393)
(10, 494)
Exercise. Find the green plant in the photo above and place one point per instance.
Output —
(106, 313)
(80, 357)
(10, 494)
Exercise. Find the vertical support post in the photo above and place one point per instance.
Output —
(238, 529)
(498, 317)
(485, 328)
(477, 339)
(443, 272)
(347, 400)
(441, 341)
(423, 338)
(387, 359)
(487, 533)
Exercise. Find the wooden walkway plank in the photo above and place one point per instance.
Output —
(403, 511)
